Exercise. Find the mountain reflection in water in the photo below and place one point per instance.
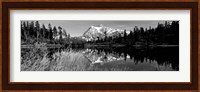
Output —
(133, 59)
(101, 59)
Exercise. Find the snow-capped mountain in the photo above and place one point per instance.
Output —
(100, 31)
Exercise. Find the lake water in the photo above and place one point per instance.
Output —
(101, 59)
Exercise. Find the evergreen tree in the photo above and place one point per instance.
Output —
(32, 30)
(37, 29)
(60, 32)
(54, 32)
(125, 37)
(43, 31)
(50, 36)
(105, 33)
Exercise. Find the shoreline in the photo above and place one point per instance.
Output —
(93, 45)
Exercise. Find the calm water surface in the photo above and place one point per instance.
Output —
(121, 58)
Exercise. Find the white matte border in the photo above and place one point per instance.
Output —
(183, 75)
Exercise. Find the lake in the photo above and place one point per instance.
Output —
(100, 58)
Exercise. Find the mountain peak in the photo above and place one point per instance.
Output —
(100, 32)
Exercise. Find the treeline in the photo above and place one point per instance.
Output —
(32, 32)
(163, 34)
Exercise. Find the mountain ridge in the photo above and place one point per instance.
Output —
(100, 32)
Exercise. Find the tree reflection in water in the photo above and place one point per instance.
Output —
(159, 57)
(101, 59)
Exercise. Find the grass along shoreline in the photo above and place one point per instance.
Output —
(59, 61)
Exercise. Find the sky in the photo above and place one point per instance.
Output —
(78, 27)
